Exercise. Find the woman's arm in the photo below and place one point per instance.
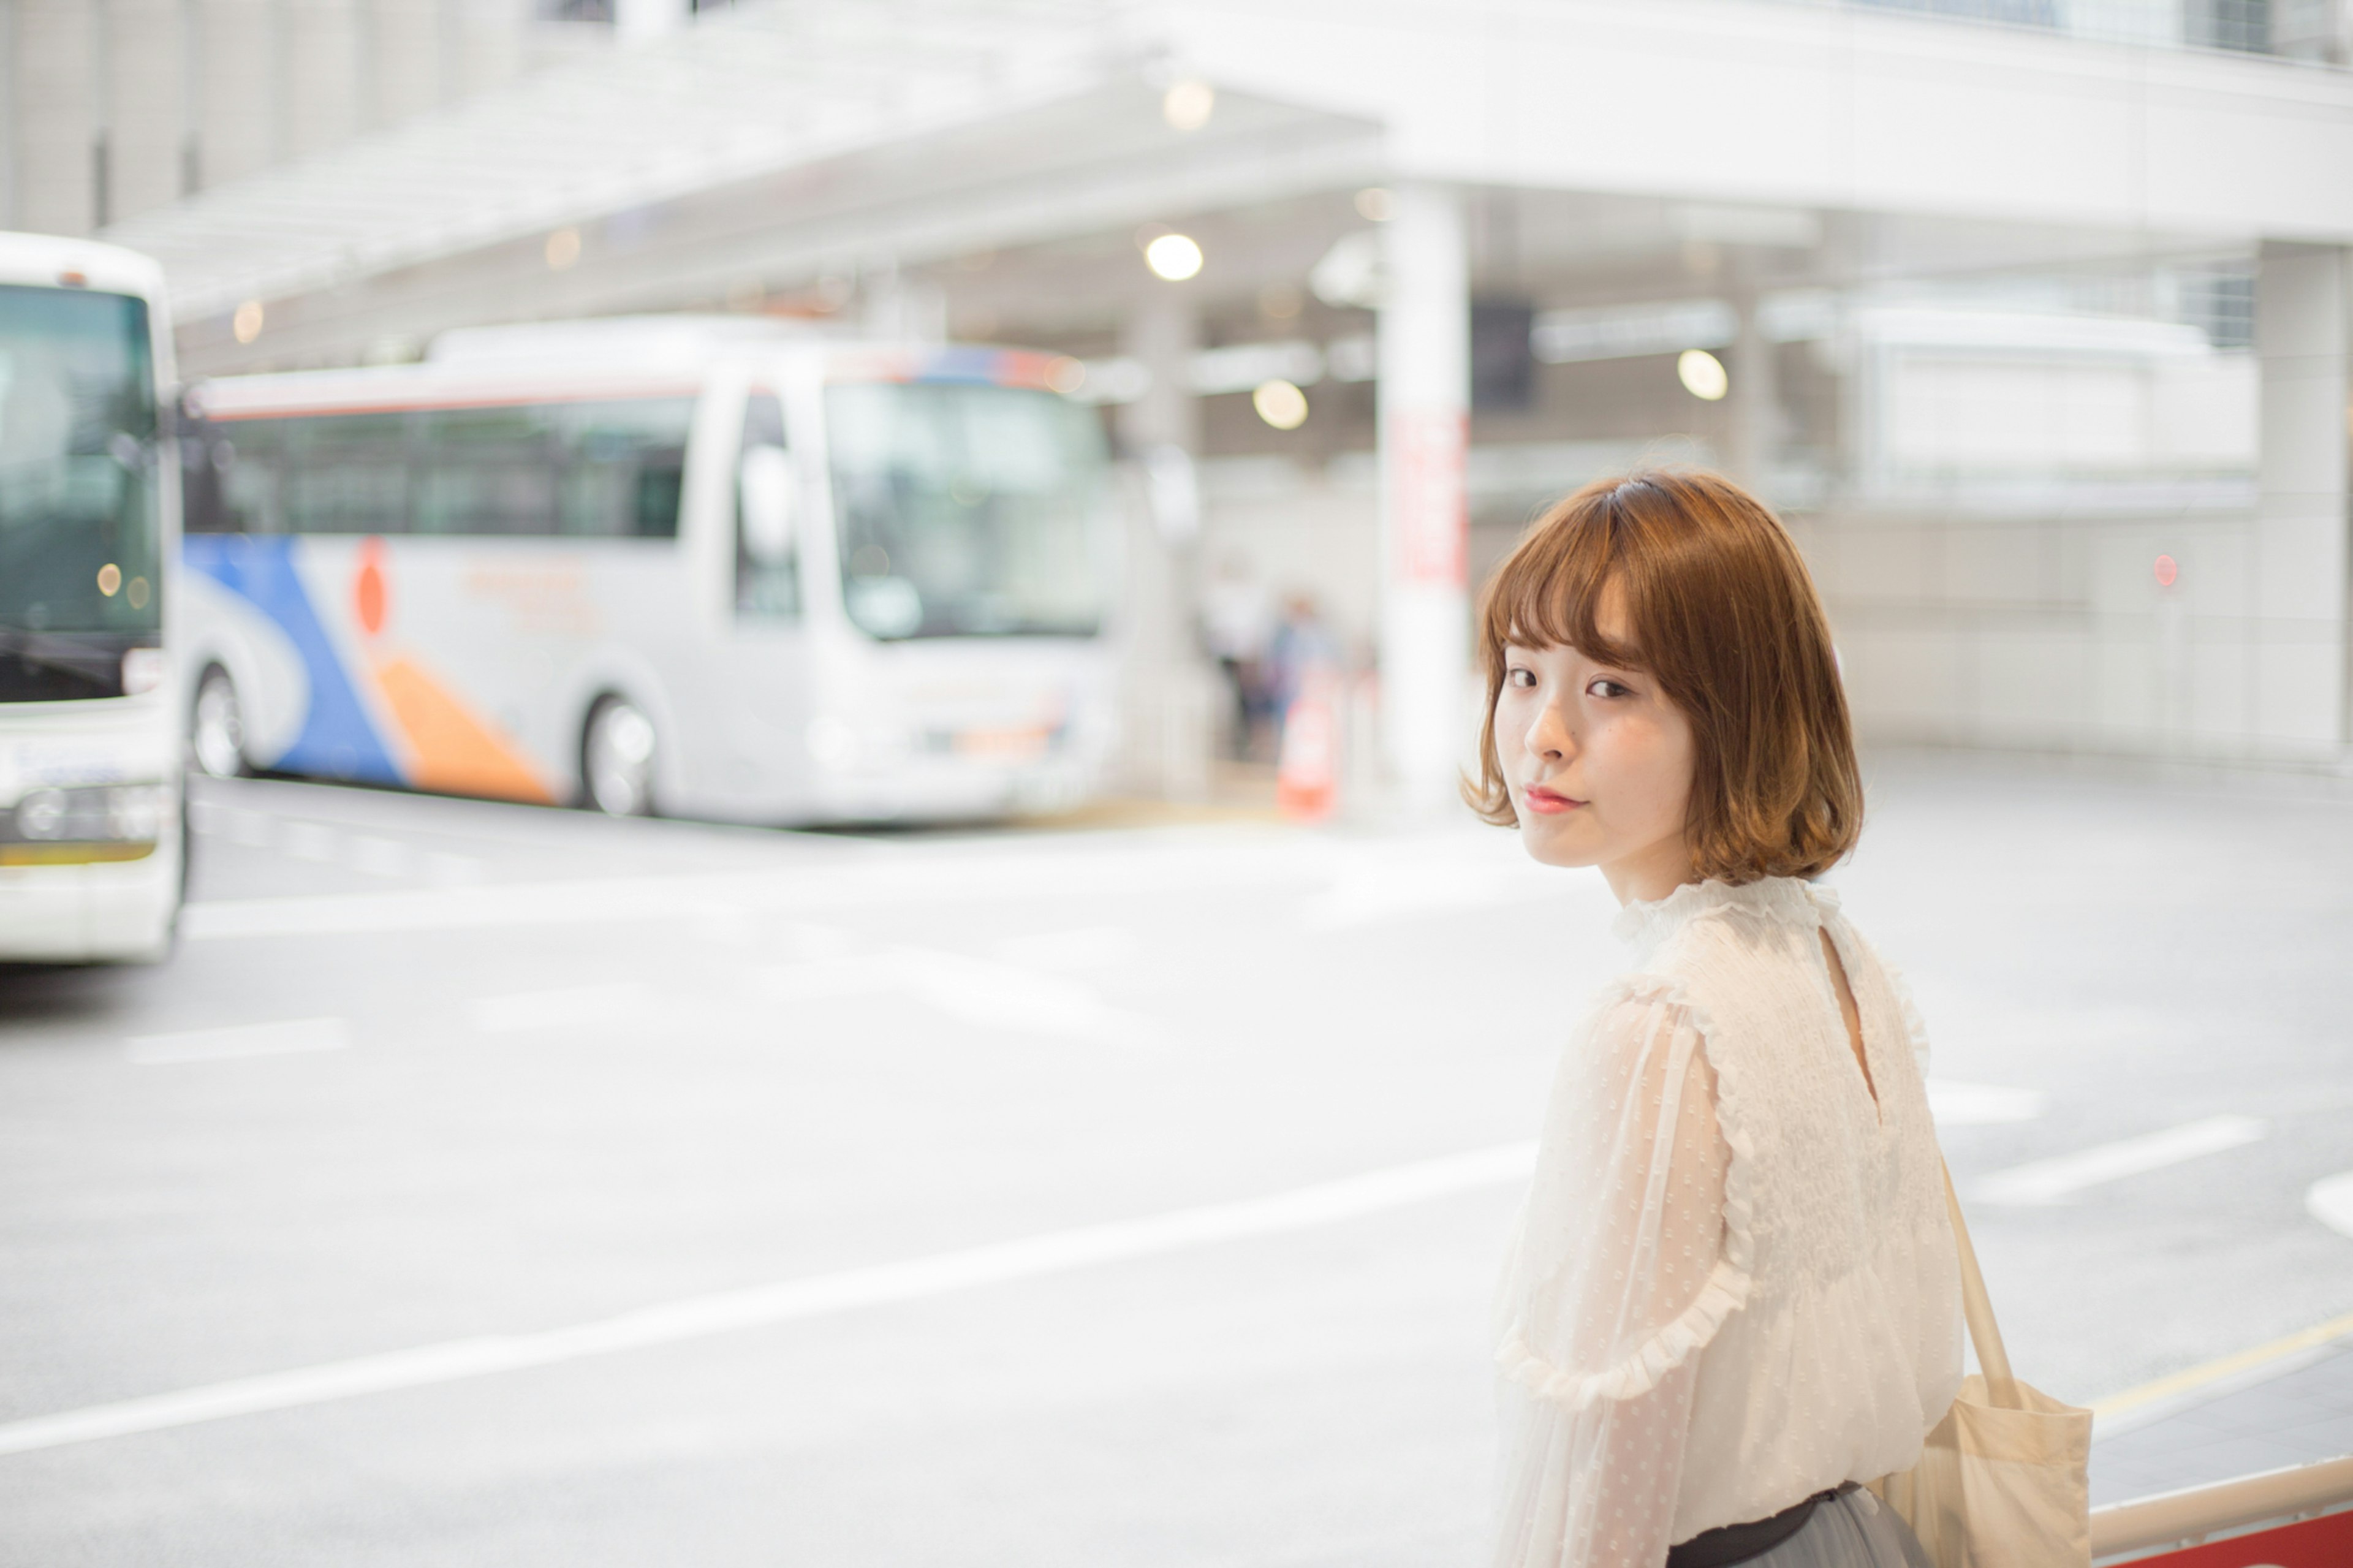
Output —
(1618, 1279)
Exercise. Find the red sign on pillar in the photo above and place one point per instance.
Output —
(1429, 516)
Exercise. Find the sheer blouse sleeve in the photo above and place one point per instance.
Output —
(1626, 1261)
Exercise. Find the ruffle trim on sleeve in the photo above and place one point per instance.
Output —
(1729, 1283)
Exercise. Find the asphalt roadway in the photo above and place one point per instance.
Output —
(487, 1185)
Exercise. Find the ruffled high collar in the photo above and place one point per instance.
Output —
(1785, 900)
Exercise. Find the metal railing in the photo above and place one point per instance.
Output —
(2121, 1532)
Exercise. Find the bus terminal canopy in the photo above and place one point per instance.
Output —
(800, 140)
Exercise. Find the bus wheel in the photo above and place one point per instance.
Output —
(617, 759)
(216, 726)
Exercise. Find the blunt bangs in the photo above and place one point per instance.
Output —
(1547, 593)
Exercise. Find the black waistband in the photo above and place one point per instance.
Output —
(1728, 1544)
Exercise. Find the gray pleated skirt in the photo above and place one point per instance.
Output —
(1851, 1531)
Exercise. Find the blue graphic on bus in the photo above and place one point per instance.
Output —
(337, 740)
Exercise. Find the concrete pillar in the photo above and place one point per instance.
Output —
(1166, 693)
(2301, 682)
(1163, 428)
(237, 121)
(320, 47)
(1755, 410)
(1425, 432)
(148, 120)
(51, 102)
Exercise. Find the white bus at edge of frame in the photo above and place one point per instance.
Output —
(724, 568)
(93, 848)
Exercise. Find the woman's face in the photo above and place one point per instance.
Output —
(1599, 763)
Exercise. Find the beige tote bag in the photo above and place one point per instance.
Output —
(2003, 1482)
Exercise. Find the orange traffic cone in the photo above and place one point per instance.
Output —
(1307, 773)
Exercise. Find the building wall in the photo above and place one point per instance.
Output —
(2057, 634)
(132, 104)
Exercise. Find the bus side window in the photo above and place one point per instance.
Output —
(767, 492)
(249, 463)
(345, 473)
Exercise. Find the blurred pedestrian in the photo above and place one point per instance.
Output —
(1302, 655)
(1734, 1295)
(1236, 624)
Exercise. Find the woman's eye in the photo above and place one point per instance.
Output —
(1606, 687)
(1521, 679)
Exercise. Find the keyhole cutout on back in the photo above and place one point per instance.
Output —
(1848, 1011)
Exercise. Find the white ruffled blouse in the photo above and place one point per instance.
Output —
(1734, 1284)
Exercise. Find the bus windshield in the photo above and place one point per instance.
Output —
(967, 510)
(78, 542)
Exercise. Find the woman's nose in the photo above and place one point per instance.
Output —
(1549, 736)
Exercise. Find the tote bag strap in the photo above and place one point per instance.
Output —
(2002, 1388)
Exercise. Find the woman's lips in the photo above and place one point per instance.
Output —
(1547, 802)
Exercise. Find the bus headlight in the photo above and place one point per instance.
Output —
(143, 670)
(92, 814)
(42, 814)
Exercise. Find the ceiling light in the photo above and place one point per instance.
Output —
(1280, 403)
(1702, 375)
(1188, 105)
(1173, 257)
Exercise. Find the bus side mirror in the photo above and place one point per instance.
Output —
(765, 483)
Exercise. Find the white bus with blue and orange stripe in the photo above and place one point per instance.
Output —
(715, 568)
(91, 849)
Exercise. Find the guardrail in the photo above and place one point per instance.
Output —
(2314, 1502)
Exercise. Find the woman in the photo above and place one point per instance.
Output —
(1733, 1294)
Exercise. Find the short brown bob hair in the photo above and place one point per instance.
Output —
(1724, 616)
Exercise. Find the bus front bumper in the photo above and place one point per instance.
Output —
(113, 910)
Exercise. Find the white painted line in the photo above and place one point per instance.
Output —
(787, 1301)
(969, 990)
(1982, 1104)
(382, 856)
(447, 868)
(2049, 1181)
(2330, 1200)
(309, 841)
(290, 1037)
(866, 882)
(1022, 1001)
(574, 1008)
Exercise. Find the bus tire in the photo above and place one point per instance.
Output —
(617, 751)
(216, 727)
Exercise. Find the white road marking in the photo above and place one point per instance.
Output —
(309, 841)
(789, 1300)
(1982, 1104)
(292, 1036)
(2051, 1181)
(970, 990)
(572, 1008)
(446, 868)
(853, 878)
(2330, 1200)
(382, 856)
(328, 845)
